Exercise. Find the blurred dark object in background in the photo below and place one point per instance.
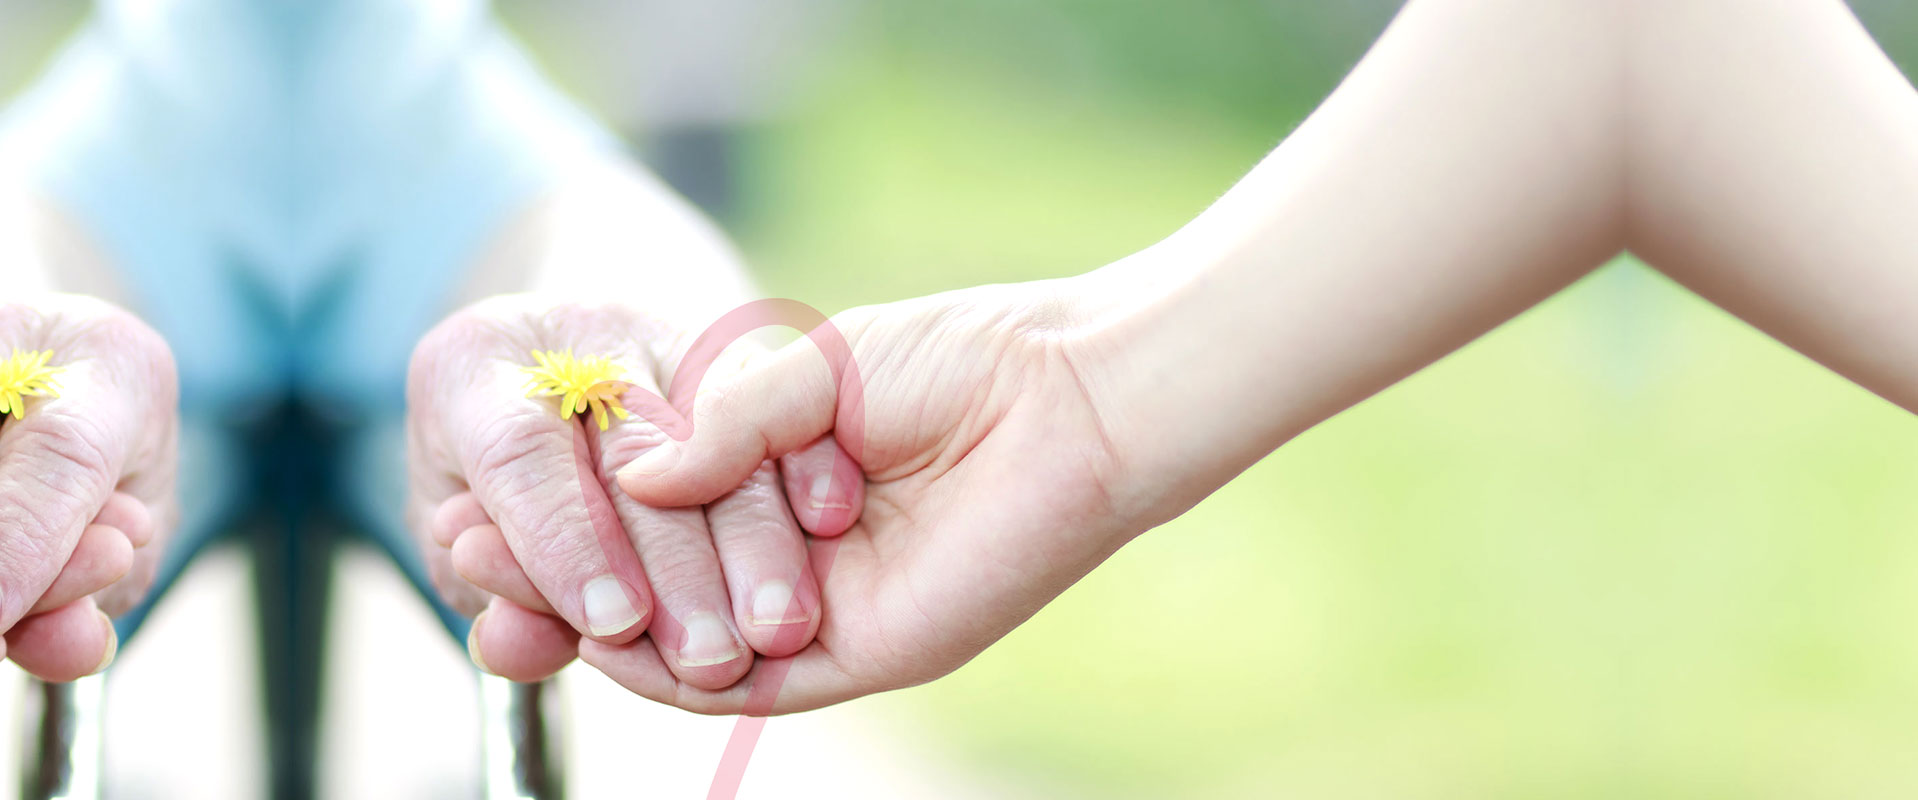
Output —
(680, 81)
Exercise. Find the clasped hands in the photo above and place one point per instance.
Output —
(684, 569)
(1015, 436)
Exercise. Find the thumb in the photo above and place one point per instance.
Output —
(778, 403)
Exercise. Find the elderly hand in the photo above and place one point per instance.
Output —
(86, 481)
(521, 505)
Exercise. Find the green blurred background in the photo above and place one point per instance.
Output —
(1624, 546)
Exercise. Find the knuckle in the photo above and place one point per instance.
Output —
(69, 453)
(633, 439)
(715, 404)
(59, 466)
(512, 442)
(761, 487)
(464, 332)
(529, 480)
(119, 343)
(31, 547)
(680, 571)
(758, 505)
(533, 507)
(140, 357)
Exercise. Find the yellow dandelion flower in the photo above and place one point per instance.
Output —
(26, 374)
(580, 383)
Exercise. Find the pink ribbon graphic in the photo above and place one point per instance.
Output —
(673, 415)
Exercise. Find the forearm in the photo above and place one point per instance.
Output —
(618, 233)
(1463, 172)
(30, 235)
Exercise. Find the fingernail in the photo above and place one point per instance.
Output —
(708, 641)
(472, 645)
(771, 603)
(821, 486)
(655, 462)
(113, 644)
(608, 611)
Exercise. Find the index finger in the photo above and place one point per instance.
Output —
(59, 461)
(532, 473)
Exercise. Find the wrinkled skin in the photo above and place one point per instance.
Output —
(987, 493)
(520, 514)
(86, 482)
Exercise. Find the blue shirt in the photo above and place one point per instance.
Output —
(291, 189)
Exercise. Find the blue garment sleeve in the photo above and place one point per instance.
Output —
(292, 190)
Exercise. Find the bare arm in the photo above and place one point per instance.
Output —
(618, 232)
(43, 250)
(1774, 170)
(1468, 168)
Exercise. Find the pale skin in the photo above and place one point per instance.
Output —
(1485, 154)
(87, 477)
(1775, 171)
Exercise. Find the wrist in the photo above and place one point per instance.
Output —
(615, 232)
(44, 250)
(1171, 371)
